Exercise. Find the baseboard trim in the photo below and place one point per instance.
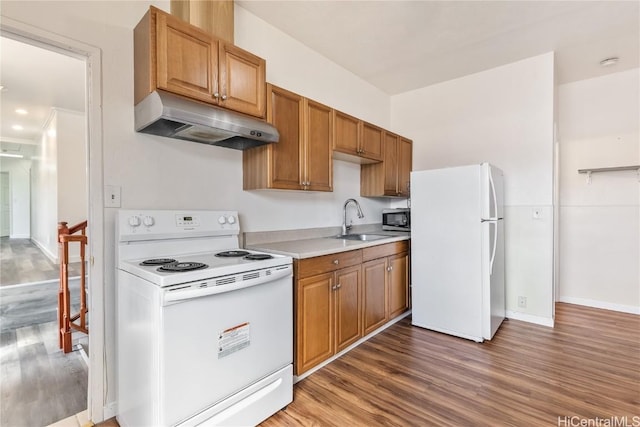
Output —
(601, 304)
(52, 257)
(538, 320)
(110, 410)
(297, 378)
(19, 236)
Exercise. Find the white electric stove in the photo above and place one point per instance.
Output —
(204, 328)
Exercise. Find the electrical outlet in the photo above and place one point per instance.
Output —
(522, 302)
(111, 196)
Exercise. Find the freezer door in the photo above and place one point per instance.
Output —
(446, 251)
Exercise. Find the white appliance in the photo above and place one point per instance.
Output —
(204, 330)
(457, 250)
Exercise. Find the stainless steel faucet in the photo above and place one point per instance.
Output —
(346, 227)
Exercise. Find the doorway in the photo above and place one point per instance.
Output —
(31, 356)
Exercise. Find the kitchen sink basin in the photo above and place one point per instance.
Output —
(361, 237)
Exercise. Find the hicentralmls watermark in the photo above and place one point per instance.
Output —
(576, 421)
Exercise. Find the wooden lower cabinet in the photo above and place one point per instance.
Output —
(347, 307)
(340, 299)
(375, 313)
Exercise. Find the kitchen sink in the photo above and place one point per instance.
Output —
(361, 237)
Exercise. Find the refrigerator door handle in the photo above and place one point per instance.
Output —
(493, 194)
(495, 244)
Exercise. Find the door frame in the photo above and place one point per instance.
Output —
(10, 197)
(93, 106)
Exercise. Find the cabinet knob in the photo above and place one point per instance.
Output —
(216, 95)
(338, 286)
(224, 97)
(334, 288)
(336, 262)
(389, 268)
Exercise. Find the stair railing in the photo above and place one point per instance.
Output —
(67, 235)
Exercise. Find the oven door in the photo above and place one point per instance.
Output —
(216, 345)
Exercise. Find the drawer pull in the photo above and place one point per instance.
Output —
(336, 262)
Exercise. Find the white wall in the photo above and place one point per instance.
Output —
(600, 222)
(503, 116)
(72, 167)
(44, 197)
(155, 172)
(59, 181)
(19, 192)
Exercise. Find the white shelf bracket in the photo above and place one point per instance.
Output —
(589, 177)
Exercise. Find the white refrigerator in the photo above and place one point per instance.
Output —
(457, 250)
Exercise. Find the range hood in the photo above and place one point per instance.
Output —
(165, 114)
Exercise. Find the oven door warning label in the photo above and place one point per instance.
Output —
(233, 339)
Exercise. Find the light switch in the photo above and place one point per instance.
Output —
(111, 196)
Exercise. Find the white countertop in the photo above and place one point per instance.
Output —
(308, 248)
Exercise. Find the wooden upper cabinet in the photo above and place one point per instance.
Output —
(175, 56)
(372, 141)
(405, 164)
(242, 80)
(187, 59)
(301, 159)
(355, 140)
(390, 165)
(318, 167)
(391, 177)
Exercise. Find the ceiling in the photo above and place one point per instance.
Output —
(395, 45)
(399, 46)
(35, 80)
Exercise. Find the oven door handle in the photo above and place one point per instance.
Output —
(181, 294)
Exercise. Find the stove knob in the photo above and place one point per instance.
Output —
(222, 220)
(231, 219)
(148, 221)
(134, 221)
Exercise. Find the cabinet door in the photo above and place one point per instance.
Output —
(390, 164)
(398, 284)
(372, 141)
(242, 80)
(374, 294)
(187, 59)
(318, 142)
(314, 321)
(348, 312)
(285, 112)
(405, 160)
(346, 133)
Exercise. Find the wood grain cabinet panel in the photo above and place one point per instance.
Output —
(374, 294)
(173, 55)
(355, 140)
(327, 307)
(391, 177)
(301, 159)
(314, 321)
(398, 284)
(347, 307)
(359, 297)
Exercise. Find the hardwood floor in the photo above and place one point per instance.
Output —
(39, 384)
(23, 262)
(588, 366)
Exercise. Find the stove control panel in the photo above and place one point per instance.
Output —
(187, 220)
(161, 224)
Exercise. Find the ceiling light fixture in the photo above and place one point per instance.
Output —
(22, 111)
(19, 156)
(17, 127)
(608, 62)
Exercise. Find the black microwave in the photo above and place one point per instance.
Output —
(396, 219)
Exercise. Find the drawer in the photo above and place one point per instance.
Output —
(381, 251)
(323, 264)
